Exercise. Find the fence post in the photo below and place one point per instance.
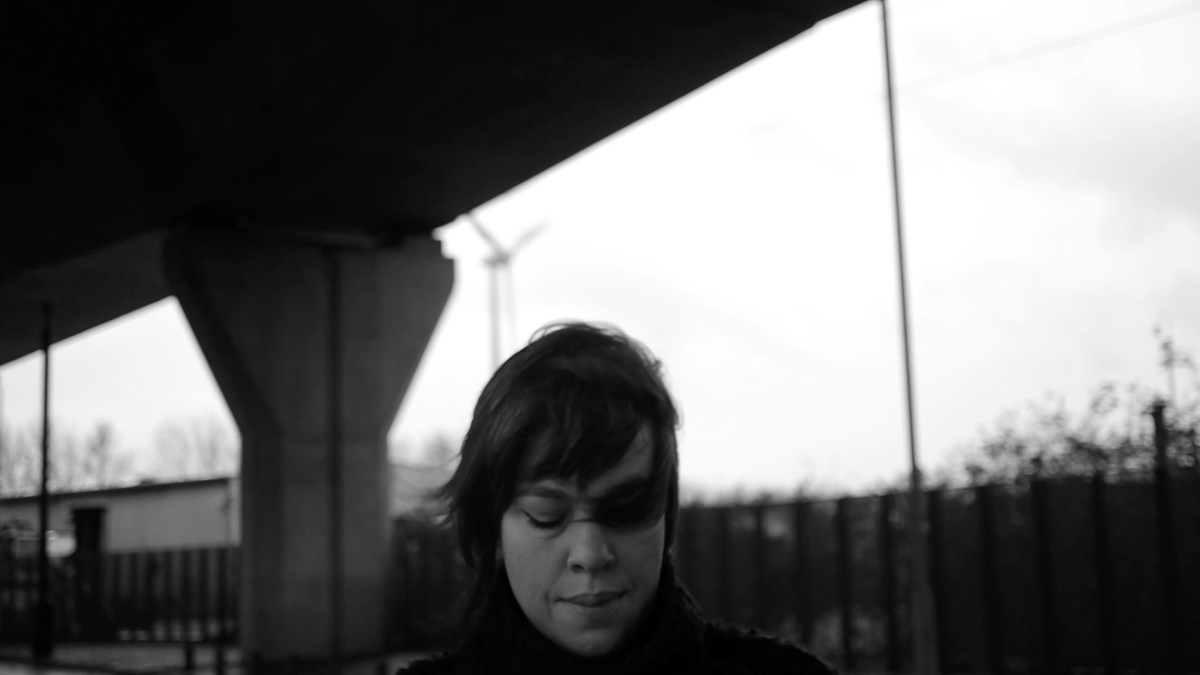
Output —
(991, 599)
(235, 586)
(936, 569)
(681, 555)
(152, 608)
(30, 592)
(761, 575)
(724, 599)
(99, 610)
(888, 575)
(185, 602)
(222, 580)
(203, 594)
(1104, 584)
(171, 606)
(134, 594)
(801, 598)
(844, 582)
(116, 593)
(1045, 566)
(937, 574)
(1166, 540)
(397, 598)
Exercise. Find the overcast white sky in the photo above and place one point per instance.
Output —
(745, 234)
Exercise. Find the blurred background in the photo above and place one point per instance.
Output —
(1049, 159)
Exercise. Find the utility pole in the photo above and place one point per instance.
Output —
(2, 455)
(43, 629)
(924, 620)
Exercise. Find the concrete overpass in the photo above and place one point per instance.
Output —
(279, 168)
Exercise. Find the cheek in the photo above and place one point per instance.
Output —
(526, 557)
(641, 553)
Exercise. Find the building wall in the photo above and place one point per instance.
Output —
(192, 514)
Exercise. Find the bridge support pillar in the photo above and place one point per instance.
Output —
(313, 348)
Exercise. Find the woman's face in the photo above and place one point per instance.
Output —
(584, 561)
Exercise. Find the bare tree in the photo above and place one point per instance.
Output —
(196, 447)
(19, 461)
(1113, 434)
(101, 464)
(91, 463)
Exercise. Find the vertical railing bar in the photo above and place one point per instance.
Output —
(235, 587)
(1168, 569)
(1045, 574)
(168, 587)
(1104, 579)
(421, 571)
(801, 595)
(127, 592)
(202, 597)
(761, 574)
(844, 582)
(221, 582)
(185, 593)
(137, 601)
(888, 575)
(681, 555)
(937, 572)
(724, 599)
(991, 600)
(101, 596)
(65, 596)
(30, 593)
(226, 595)
(156, 596)
(117, 594)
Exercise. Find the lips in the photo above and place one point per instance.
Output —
(592, 599)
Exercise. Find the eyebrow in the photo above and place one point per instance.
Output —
(630, 485)
(545, 491)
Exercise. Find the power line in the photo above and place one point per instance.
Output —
(1004, 60)
(1067, 42)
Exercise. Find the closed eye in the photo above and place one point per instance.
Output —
(543, 524)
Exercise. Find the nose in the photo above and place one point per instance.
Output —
(589, 550)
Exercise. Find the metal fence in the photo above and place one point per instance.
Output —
(1068, 574)
(183, 595)
(1046, 576)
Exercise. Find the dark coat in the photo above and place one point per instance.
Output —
(675, 639)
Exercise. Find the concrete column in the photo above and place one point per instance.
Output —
(313, 348)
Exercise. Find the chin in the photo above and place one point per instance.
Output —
(594, 644)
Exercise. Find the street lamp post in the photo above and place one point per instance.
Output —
(924, 633)
(43, 631)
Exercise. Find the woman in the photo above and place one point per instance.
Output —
(565, 501)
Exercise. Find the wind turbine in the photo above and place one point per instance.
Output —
(501, 258)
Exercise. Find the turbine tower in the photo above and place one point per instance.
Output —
(501, 260)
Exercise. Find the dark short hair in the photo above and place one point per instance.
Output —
(582, 391)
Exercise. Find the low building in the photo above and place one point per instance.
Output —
(148, 516)
(172, 515)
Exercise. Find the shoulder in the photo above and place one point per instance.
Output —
(729, 649)
(433, 665)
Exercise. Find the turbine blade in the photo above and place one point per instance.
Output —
(527, 237)
(487, 236)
